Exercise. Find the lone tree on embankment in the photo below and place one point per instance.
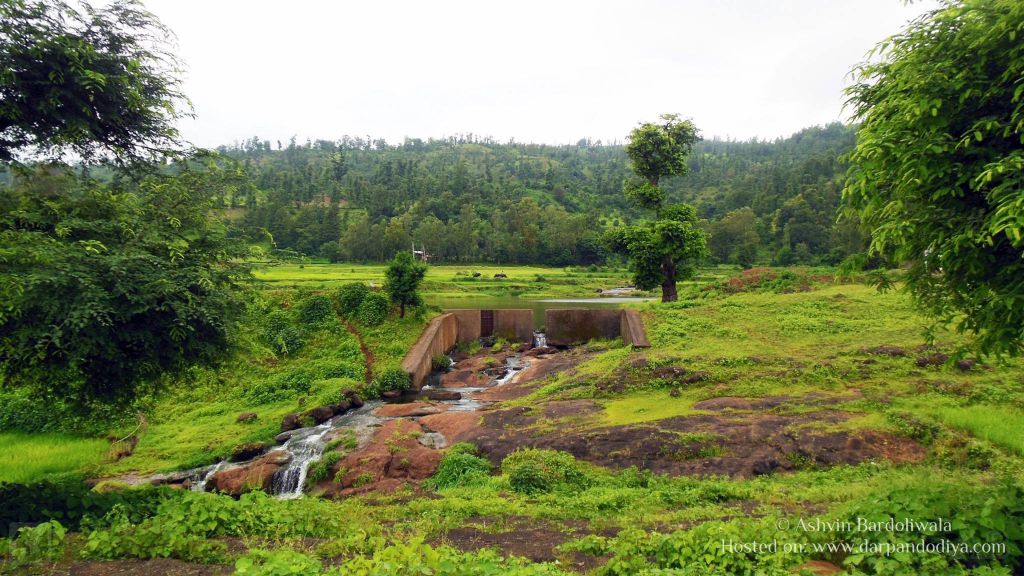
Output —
(938, 171)
(667, 249)
(402, 281)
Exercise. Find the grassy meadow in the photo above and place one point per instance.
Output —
(823, 358)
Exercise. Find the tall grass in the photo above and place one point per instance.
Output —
(997, 425)
(32, 457)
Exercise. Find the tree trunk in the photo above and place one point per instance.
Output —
(401, 310)
(668, 282)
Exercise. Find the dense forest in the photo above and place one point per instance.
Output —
(471, 199)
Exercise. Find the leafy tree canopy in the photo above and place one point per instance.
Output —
(94, 82)
(402, 280)
(666, 250)
(938, 171)
(105, 288)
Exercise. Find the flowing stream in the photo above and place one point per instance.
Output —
(306, 445)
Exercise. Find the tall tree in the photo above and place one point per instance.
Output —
(662, 252)
(105, 288)
(402, 281)
(89, 81)
(938, 169)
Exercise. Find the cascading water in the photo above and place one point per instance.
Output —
(306, 445)
(539, 340)
(203, 476)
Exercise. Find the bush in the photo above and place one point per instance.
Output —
(44, 542)
(392, 379)
(72, 503)
(281, 336)
(316, 311)
(459, 468)
(281, 562)
(349, 297)
(373, 310)
(441, 362)
(537, 471)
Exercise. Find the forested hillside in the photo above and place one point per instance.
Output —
(471, 199)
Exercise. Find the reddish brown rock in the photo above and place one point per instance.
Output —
(410, 410)
(820, 568)
(256, 475)
(464, 379)
(393, 454)
(454, 426)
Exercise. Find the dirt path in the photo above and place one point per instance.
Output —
(367, 353)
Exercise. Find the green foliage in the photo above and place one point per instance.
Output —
(281, 335)
(939, 164)
(415, 557)
(402, 280)
(70, 502)
(536, 471)
(319, 470)
(972, 515)
(664, 251)
(90, 81)
(460, 467)
(277, 563)
(44, 542)
(441, 362)
(392, 379)
(107, 289)
(349, 297)
(373, 310)
(659, 151)
(316, 311)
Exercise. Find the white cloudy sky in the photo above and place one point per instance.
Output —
(543, 71)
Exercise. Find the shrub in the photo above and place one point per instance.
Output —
(349, 297)
(281, 562)
(459, 468)
(44, 542)
(281, 336)
(316, 311)
(392, 379)
(537, 471)
(441, 362)
(373, 310)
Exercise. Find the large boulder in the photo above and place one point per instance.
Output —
(393, 454)
(247, 451)
(256, 475)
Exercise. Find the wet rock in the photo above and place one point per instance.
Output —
(291, 422)
(410, 410)
(342, 407)
(256, 475)
(459, 356)
(464, 379)
(394, 453)
(321, 414)
(353, 399)
(246, 417)
(540, 351)
(283, 437)
(454, 426)
(392, 394)
(247, 451)
(433, 440)
(436, 394)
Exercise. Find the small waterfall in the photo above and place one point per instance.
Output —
(305, 447)
(539, 340)
(200, 484)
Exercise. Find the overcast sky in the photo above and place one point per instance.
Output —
(550, 71)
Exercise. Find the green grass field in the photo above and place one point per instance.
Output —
(33, 457)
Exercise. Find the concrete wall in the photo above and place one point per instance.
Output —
(439, 337)
(469, 324)
(570, 327)
(631, 326)
(514, 325)
(564, 327)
